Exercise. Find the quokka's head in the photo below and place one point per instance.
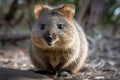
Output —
(54, 27)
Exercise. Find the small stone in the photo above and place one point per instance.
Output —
(86, 79)
(63, 73)
(99, 77)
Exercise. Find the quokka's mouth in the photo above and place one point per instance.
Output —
(50, 44)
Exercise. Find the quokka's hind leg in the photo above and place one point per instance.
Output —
(76, 65)
(41, 67)
(37, 63)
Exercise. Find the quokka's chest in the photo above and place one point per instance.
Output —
(55, 57)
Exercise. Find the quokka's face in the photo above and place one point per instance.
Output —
(53, 30)
(54, 27)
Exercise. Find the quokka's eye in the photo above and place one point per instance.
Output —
(60, 26)
(42, 26)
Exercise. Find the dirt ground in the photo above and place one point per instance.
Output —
(103, 62)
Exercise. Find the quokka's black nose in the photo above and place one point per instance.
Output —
(49, 38)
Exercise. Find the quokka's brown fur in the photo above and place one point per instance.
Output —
(68, 48)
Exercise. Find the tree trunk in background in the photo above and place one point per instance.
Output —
(91, 12)
(11, 14)
(83, 10)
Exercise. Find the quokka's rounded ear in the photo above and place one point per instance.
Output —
(37, 10)
(68, 10)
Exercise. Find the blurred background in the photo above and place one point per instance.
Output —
(100, 20)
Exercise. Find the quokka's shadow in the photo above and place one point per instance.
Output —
(15, 74)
